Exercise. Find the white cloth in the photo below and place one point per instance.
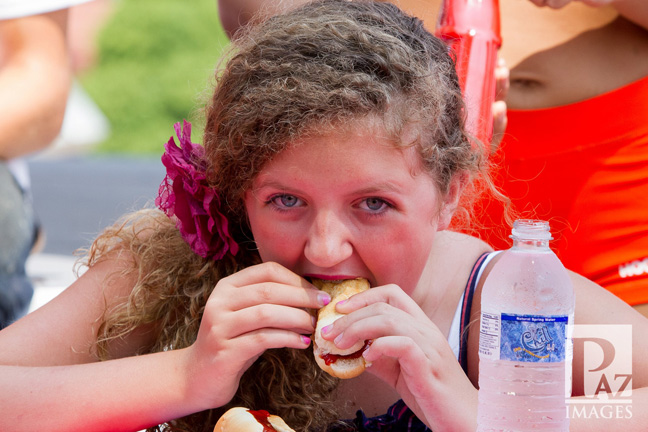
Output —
(20, 170)
(20, 8)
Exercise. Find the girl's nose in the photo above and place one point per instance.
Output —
(328, 241)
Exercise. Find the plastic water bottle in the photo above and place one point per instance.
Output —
(525, 345)
(471, 28)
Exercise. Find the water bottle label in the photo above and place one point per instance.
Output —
(526, 338)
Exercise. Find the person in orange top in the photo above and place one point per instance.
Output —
(588, 175)
(575, 151)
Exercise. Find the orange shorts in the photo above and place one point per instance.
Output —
(584, 168)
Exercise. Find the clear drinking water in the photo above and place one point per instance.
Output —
(525, 347)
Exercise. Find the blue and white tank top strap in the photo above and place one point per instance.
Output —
(458, 335)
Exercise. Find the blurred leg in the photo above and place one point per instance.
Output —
(16, 239)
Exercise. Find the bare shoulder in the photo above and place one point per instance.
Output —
(457, 247)
(454, 255)
(446, 275)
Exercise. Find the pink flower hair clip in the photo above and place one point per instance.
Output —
(185, 194)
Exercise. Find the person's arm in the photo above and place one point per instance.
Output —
(119, 395)
(51, 379)
(35, 78)
(235, 14)
(595, 305)
(633, 10)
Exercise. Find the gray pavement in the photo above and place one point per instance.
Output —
(76, 197)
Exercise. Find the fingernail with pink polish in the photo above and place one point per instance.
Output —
(324, 299)
(327, 329)
(305, 339)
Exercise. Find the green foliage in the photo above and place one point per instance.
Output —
(155, 68)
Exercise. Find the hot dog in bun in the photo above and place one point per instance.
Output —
(347, 363)
(241, 419)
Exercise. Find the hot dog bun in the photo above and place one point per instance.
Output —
(241, 419)
(347, 363)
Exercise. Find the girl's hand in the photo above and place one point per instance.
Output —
(258, 308)
(410, 354)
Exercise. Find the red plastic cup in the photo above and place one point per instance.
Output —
(471, 28)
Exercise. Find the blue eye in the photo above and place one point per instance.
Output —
(285, 201)
(374, 204)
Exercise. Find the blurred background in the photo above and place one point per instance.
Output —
(146, 64)
(140, 67)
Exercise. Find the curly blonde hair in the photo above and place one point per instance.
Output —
(325, 65)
